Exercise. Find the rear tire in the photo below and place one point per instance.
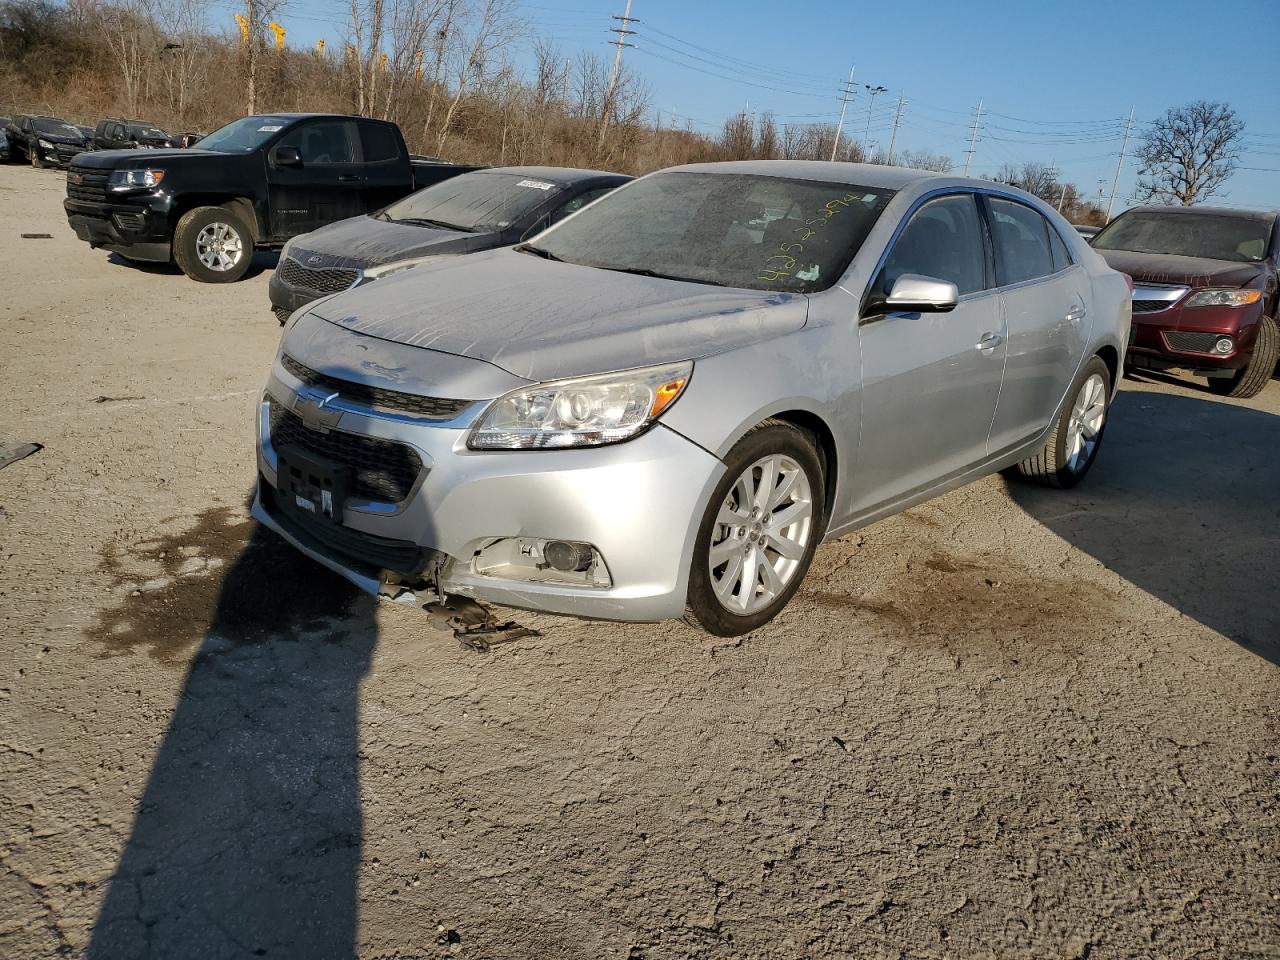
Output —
(212, 245)
(1077, 436)
(1250, 379)
(774, 493)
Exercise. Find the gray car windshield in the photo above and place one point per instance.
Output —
(56, 128)
(732, 230)
(474, 202)
(1208, 235)
(244, 135)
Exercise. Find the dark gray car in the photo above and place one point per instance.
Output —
(475, 211)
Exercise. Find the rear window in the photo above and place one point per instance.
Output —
(1021, 237)
(1208, 235)
(734, 230)
(378, 142)
(478, 201)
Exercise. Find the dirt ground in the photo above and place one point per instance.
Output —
(1009, 723)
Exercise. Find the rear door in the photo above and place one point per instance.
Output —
(1046, 300)
(327, 186)
(385, 166)
(930, 381)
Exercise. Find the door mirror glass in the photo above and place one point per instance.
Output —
(913, 293)
(288, 157)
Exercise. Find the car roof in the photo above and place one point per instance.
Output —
(832, 171)
(562, 175)
(1264, 215)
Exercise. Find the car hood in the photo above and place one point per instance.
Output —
(542, 320)
(114, 159)
(1192, 271)
(366, 242)
(60, 138)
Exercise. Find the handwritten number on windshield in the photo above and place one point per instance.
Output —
(805, 233)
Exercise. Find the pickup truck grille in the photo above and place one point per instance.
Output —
(437, 408)
(331, 280)
(86, 184)
(382, 469)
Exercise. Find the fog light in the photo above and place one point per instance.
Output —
(1223, 346)
(566, 555)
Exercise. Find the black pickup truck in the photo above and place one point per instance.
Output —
(249, 186)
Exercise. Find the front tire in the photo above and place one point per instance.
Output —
(1250, 379)
(212, 245)
(1077, 436)
(759, 533)
(36, 160)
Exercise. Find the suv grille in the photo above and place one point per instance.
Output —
(436, 408)
(382, 469)
(92, 187)
(1188, 342)
(332, 280)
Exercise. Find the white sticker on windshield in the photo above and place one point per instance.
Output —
(536, 184)
(271, 128)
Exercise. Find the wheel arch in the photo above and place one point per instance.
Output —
(1111, 357)
(241, 206)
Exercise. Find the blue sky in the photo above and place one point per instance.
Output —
(1056, 79)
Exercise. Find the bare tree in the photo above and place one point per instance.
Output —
(181, 56)
(129, 30)
(257, 14)
(924, 160)
(1189, 153)
(767, 143)
(485, 34)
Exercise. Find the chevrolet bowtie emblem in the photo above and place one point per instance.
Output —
(315, 415)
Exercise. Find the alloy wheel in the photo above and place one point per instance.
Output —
(761, 534)
(1085, 424)
(219, 246)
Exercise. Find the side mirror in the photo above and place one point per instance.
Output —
(287, 157)
(912, 293)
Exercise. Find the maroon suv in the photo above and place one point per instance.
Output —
(1205, 291)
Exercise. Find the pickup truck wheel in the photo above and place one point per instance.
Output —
(1253, 376)
(759, 533)
(1073, 445)
(212, 245)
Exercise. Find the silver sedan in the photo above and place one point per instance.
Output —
(662, 405)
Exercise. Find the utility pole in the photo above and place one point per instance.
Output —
(623, 32)
(844, 103)
(1119, 163)
(973, 140)
(253, 56)
(897, 119)
(866, 137)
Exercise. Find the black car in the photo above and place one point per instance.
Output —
(114, 134)
(4, 138)
(249, 186)
(475, 211)
(44, 141)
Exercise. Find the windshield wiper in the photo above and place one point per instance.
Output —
(425, 222)
(538, 252)
(646, 272)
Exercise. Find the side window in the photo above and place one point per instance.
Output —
(1021, 237)
(326, 141)
(117, 132)
(578, 202)
(943, 240)
(377, 142)
(1061, 257)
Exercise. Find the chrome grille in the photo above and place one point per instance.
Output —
(436, 408)
(381, 469)
(329, 280)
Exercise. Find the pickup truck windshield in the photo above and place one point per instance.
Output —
(244, 135)
(1208, 235)
(733, 230)
(147, 133)
(474, 202)
(55, 128)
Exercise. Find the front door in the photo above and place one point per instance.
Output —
(328, 185)
(930, 381)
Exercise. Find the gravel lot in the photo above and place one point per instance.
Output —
(1009, 723)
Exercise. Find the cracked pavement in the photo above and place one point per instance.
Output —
(1009, 723)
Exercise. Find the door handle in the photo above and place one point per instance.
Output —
(989, 341)
(1075, 314)
(349, 178)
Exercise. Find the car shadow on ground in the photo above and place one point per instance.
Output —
(1182, 503)
(247, 837)
(263, 261)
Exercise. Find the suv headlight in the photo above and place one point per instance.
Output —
(45, 143)
(582, 412)
(122, 180)
(1224, 298)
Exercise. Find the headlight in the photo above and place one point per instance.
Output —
(1224, 298)
(121, 180)
(386, 269)
(284, 251)
(46, 144)
(583, 412)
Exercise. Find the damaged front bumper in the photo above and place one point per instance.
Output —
(474, 522)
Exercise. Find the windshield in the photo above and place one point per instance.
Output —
(147, 133)
(475, 201)
(734, 230)
(244, 135)
(55, 128)
(1212, 236)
